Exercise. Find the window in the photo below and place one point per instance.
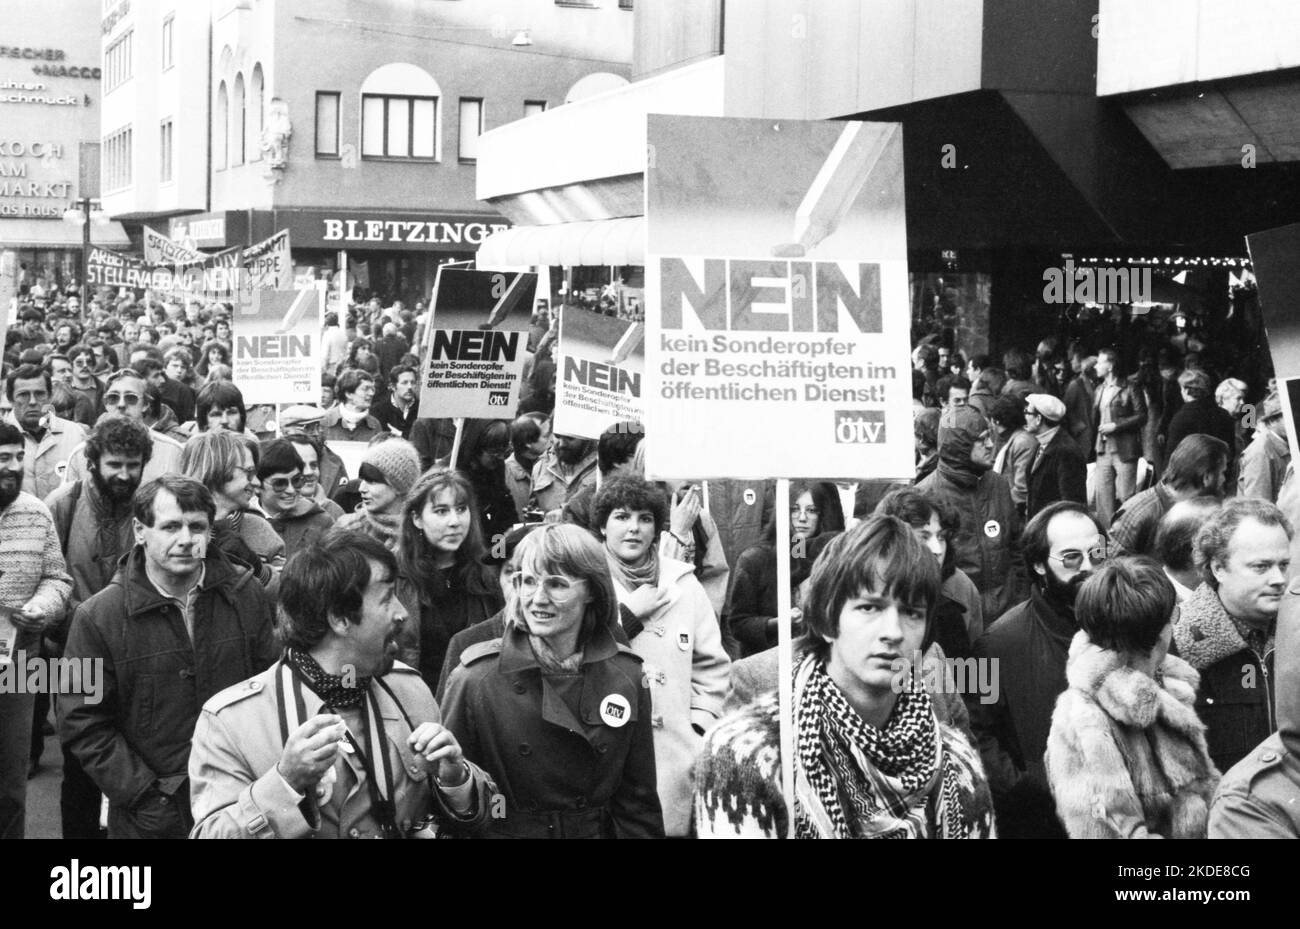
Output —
(471, 127)
(256, 114)
(117, 159)
(237, 123)
(222, 127)
(117, 61)
(398, 127)
(327, 124)
(533, 107)
(165, 152)
(167, 60)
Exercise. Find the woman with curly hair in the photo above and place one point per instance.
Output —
(212, 353)
(361, 357)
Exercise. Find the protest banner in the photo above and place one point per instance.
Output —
(268, 264)
(777, 316)
(113, 269)
(474, 361)
(777, 308)
(600, 367)
(160, 250)
(1275, 255)
(276, 354)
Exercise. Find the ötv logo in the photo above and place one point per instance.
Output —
(859, 427)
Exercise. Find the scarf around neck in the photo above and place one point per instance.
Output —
(383, 525)
(333, 689)
(853, 780)
(550, 662)
(635, 575)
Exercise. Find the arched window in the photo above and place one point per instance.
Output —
(399, 113)
(593, 84)
(238, 123)
(256, 113)
(223, 126)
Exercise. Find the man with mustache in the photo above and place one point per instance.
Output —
(1227, 627)
(566, 467)
(93, 519)
(1030, 643)
(337, 739)
(48, 439)
(177, 624)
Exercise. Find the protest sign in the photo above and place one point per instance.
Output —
(160, 250)
(600, 367)
(474, 361)
(267, 264)
(276, 355)
(777, 307)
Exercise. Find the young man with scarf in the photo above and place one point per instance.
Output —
(1030, 645)
(1226, 628)
(349, 420)
(871, 760)
(337, 739)
(988, 543)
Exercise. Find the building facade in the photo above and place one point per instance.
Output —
(353, 126)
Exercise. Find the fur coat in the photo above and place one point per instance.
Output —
(1126, 757)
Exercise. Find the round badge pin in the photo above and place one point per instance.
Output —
(992, 529)
(615, 711)
(749, 496)
(684, 641)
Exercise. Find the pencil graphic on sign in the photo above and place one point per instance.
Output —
(841, 178)
(627, 344)
(509, 300)
(296, 311)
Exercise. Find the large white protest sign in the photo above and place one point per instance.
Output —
(777, 311)
(474, 361)
(600, 371)
(277, 352)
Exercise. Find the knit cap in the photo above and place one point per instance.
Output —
(398, 462)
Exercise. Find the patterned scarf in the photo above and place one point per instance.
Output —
(856, 781)
(632, 576)
(550, 662)
(331, 688)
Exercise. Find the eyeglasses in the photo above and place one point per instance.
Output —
(558, 588)
(114, 398)
(1074, 560)
(281, 484)
(804, 511)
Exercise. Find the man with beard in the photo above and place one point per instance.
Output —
(33, 591)
(1226, 628)
(177, 624)
(398, 408)
(568, 465)
(337, 739)
(1198, 467)
(1029, 646)
(530, 437)
(48, 439)
(126, 394)
(93, 519)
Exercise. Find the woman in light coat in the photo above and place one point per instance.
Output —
(1126, 757)
(671, 624)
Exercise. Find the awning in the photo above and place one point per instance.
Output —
(596, 243)
(55, 233)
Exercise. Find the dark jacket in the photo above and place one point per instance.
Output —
(1080, 396)
(751, 601)
(438, 609)
(1128, 410)
(1030, 645)
(180, 398)
(1205, 417)
(1236, 697)
(135, 742)
(433, 439)
(1059, 472)
(389, 415)
(573, 755)
(301, 526)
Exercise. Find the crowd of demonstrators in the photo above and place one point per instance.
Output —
(603, 647)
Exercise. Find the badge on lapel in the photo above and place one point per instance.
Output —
(615, 711)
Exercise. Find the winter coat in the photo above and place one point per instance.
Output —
(1263, 465)
(1059, 472)
(1236, 696)
(439, 607)
(1126, 757)
(302, 525)
(1079, 399)
(32, 568)
(572, 755)
(157, 678)
(94, 537)
(688, 673)
(751, 601)
(1204, 417)
(45, 462)
(165, 457)
(332, 428)
(988, 541)
(1260, 796)
(1029, 646)
(237, 792)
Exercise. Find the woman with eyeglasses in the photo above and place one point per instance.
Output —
(750, 614)
(295, 516)
(442, 580)
(484, 448)
(555, 710)
(670, 622)
(226, 464)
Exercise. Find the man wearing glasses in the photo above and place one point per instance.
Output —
(126, 394)
(1030, 643)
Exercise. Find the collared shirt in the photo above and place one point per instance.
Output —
(186, 605)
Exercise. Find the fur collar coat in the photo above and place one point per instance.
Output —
(1127, 757)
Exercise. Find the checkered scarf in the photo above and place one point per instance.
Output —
(856, 781)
